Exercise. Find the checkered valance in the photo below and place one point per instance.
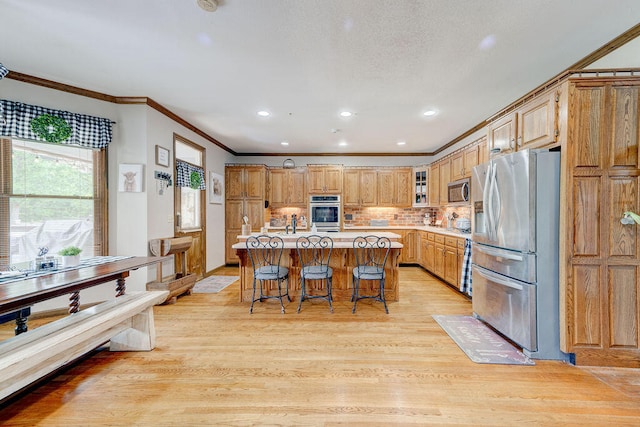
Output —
(86, 131)
(3, 71)
(188, 175)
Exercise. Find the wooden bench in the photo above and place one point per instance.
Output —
(125, 321)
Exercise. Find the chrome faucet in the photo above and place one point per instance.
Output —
(286, 228)
(294, 222)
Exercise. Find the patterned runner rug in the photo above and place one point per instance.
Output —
(213, 284)
(479, 342)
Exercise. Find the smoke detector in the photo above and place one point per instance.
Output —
(208, 5)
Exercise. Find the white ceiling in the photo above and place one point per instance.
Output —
(306, 60)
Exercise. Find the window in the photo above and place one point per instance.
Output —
(52, 196)
(189, 200)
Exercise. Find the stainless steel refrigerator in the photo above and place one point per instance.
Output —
(516, 202)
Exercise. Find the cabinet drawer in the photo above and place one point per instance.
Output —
(461, 243)
(439, 238)
(451, 241)
(431, 236)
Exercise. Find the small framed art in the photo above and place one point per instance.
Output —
(130, 177)
(162, 156)
(216, 188)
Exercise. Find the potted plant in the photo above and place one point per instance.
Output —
(70, 256)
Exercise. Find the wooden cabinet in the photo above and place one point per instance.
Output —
(532, 125)
(445, 178)
(537, 121)
(600, 259)
(483, 150)
(410, 240)
(438, 258)
(324, 179)
(359, 187)
(442, 255)
(461, 244)
(244, 196)
(463, 161)
(287, 187)
(501, 135)
(394, 187)
(434, 184)
(420, 187)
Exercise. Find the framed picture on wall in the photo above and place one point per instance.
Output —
(216, 188)
(162, 156)
(130, 178)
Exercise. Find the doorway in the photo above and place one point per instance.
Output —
(189, 203)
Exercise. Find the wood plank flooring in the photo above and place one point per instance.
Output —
(217, 365)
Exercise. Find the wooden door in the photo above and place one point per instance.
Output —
(434, 185)
(457, 166)
(438, 260)
(297, 187)
(404, 188)
(333, 179)
(445, 177)
(254, 182)
(234, 182)
(502, 134)
(368, 187)
(430, 258)
(315, 179)
(537, 122)
(451, 264)
(386, 187)
(351, 189)
(599, 281)
(471, 158)
(278, 187)
(483, 151)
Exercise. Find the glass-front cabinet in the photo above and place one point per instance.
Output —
(421, 186)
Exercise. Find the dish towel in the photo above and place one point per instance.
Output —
(465, 279)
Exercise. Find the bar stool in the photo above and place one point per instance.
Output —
(314, 253)
(265, 253)
(370, 254)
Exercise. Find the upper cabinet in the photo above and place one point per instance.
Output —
(532, 125)
(359, 187)
(245, 182)
(445, 178)
(288, 187)
(324, 179)
(463, 161)
(420, 186)
(434, 184)
(394, 187)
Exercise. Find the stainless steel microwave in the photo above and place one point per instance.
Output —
(459, 191)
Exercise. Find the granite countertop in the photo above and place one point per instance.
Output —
(446, 231)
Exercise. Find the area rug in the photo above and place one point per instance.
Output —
(213, 284)
(480, 343)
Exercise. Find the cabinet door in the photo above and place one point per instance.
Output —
(333, 180)
(457, 166)
(386, 187)
(315, 179)
(438, 262)
(483, 151)
(450, 265)
(351, 190)
(430, 256)
(404, 187)
(234, 179)
(368, 187)
(231, 238)
(420, 187)
(537, 122)
(255, 178)
(445, 177)
(502, 134)
(410, 243)
(278, 187)
(234, 210)
(297, 187)
(460, 263)
(254, 209)
(471, 158)
(434, 185)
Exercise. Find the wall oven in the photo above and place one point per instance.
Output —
(325, 212)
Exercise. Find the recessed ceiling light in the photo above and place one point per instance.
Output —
(430, 113)
(346, 113)
(342, 143)
(285, 143)
(264, 113)
(401, 142)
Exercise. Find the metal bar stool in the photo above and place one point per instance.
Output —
(371, 254)
(265, 253)
(314, 253)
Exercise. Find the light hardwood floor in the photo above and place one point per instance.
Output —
(217, 365)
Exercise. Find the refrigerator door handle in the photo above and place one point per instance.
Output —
(498, 280)
(496, 217)
(485, 201)
(499, 253)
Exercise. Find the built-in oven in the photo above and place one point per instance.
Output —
(325, 212)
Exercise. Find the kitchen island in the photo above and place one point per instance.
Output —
(342, 263)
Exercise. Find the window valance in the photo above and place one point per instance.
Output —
(188, 175)
(3, 71)
(45, 124)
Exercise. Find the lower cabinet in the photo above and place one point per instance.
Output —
(442, 255)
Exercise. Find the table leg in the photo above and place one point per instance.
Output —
(74, 302)
(120, 287)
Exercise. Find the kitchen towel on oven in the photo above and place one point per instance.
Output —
(465, 278)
